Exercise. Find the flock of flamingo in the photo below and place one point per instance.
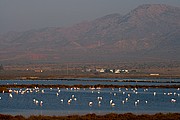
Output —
(127, 91)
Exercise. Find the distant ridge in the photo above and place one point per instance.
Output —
(150, 32)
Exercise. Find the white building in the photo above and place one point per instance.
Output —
(117, 71)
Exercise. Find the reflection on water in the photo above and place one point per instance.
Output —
(58, 101)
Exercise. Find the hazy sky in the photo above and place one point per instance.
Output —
(21, 15)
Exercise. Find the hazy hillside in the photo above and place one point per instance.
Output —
(149, 32)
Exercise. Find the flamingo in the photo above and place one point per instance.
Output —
(72, 96)
(113, 104)
(36, 102)
(135, 103)
(154, 93)
(99, 98)
(173, 100)
(62, 100)
(41, 103)
(42, 91)
(99, 103)
(90, 103)
(69, 101)
(111, 101)
(10, 95)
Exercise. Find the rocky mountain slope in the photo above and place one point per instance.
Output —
(149, 32)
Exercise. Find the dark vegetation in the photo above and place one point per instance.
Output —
(3, 89)
(111, 116)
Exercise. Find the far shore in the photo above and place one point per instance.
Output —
(10, 76)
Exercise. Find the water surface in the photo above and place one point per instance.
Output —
(55, 101)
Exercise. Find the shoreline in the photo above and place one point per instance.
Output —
(5, 88)
(42, 76)
(93, 116)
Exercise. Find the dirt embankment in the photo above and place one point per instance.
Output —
(111, 116)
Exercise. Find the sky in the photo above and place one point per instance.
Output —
(22, 15)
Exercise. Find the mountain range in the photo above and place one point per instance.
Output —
(150, 32)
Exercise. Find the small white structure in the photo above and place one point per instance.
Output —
(38, 71)
(111, 70)
(154, 74)
(102, 70)
(117, 71)
(126, 71)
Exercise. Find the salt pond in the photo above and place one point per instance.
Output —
(68, 101)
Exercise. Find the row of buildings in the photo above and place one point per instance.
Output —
(103, 70)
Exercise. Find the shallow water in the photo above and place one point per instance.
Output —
(91, 81)
(158, 100)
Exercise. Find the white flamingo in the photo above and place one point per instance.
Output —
(135, 103)
(41, 103)
(173, 100)
(62, 100)
(10, 95)
(90, 103)
(111, 101)
(154, 93)
(112, 104)
(36, 102)
(42, 91)
(69, 101)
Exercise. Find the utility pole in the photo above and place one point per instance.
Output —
(67, 69)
